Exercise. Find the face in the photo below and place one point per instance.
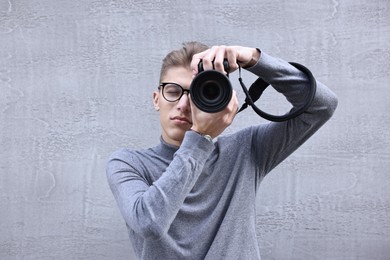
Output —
(175, 117)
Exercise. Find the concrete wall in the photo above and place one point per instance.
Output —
(76, 79)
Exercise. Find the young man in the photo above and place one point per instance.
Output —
(191, 197)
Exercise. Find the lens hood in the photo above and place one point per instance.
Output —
(211, 91)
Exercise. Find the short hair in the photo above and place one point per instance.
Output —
(181, 57)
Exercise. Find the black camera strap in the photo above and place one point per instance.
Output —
(257, 88)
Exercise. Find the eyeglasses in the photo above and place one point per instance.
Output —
(172, 91)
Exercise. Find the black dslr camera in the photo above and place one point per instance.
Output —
(211, 90)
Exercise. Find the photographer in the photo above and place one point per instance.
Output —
(193, 196)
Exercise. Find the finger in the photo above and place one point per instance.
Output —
(219, 59)
(195, 61)
(234, 101)
(209, 57)
(231, 55)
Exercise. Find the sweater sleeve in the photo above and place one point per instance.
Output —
(274, 141)
(148, 209)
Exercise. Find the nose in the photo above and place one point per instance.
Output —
(184, 102)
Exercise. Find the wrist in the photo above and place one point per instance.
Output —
(255, 58)
(206, 136)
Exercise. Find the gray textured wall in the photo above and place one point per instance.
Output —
(76, 79)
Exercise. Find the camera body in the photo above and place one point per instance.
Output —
(211, 90)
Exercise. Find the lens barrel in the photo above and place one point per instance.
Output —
(211, 90)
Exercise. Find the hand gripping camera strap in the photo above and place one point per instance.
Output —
(258, 87)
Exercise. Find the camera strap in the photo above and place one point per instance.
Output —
(257, 88)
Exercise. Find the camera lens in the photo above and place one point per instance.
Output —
(211, 91)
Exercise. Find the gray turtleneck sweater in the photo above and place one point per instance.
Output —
(197, 201)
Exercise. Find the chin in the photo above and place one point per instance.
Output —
(176, 134)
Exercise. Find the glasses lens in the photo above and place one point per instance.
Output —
(172, 92)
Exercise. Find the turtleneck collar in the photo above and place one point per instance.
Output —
(165, 149)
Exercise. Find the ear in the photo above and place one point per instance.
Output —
(156, 97)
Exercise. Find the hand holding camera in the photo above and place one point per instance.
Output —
(214, 101)
(214, 57)
(214, 124)
(211, 90)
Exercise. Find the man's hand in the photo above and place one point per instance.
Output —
(236, 55)
(214, 124)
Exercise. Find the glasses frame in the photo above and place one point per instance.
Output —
(183, 90)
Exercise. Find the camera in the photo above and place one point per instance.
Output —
(211, 90)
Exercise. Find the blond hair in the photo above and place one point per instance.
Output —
(181, 57)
